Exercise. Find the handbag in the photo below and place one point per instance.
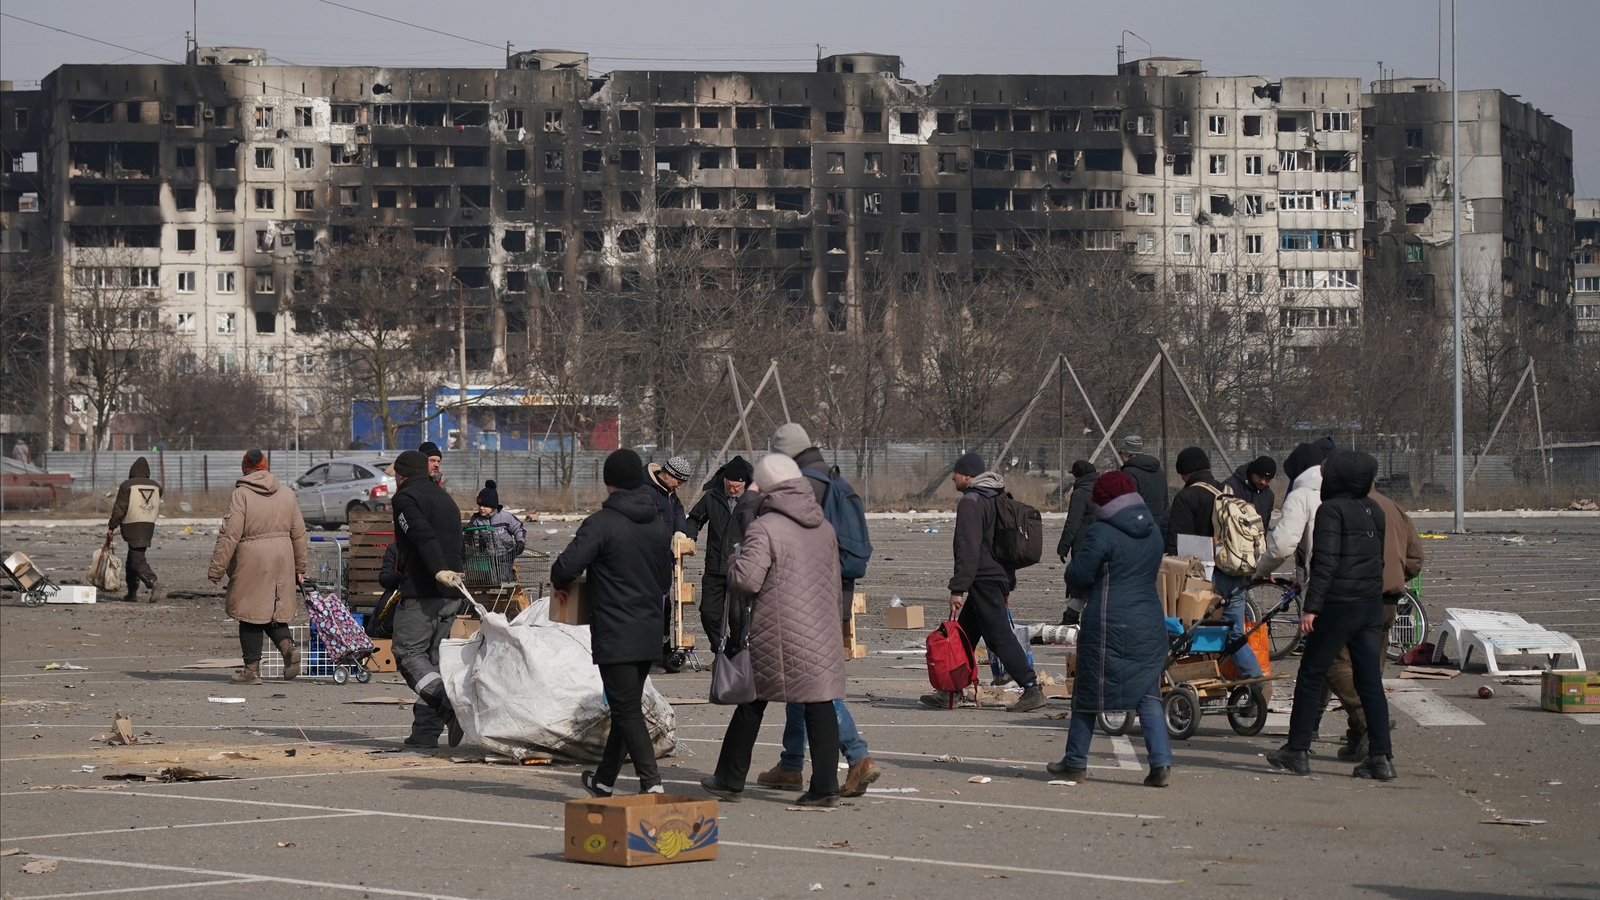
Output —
(732, 682)
(104, 572)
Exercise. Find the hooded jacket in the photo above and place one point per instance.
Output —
(1080, 515)
(138, 506)
(1402, 548)
(1261, 500)
(714, 513)
(261, 547)
(973, 542)
(427, 526)
(1122, 636)
(1145, 470)
(1347, 562)
(1291, 534)
(667, 502)
(1191, 510)
(626, 549)
(788, 564)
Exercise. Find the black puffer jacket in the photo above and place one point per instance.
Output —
(714, 513)
(1145, 470)
(1347, 539)
(1080, 515)
(1191, 510)
(626, 548)
(427, 526)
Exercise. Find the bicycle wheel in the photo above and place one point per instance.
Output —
(1115, 723)
(1283, 632)
(1410, 626)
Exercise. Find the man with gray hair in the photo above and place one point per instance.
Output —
(1145, 470)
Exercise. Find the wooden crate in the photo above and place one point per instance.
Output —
(371, 533)
(853, 649)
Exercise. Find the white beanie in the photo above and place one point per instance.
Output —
(790, 439)
(775, 468)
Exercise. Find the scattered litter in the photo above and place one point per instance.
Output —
(948, 758)
(224, 699)
(1514, 539)
(384, 701)
(816, 887)
(289, 752)
(41, 866)
(551, 530)
(186, 506)
(1429, 673)
(1519, 681)
(809, 809)
(1523, 822)
(1063, 783)
(687, 701)
(169, 775)
(230, 754)
(840, 845)
(979, 779)
(912, 790)
(259, 733)
(1485, 692)
(459, 760)
(1058, 716)
(12, 851)
(1553, 783)
(65, 665)
(1432, 537)
(85, 768)
(1183, 847)
(1583, 503)
(895, 601)
(215, 664)
(286, 843)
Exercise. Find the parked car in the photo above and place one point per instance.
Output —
(331, 491)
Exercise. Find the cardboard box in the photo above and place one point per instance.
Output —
(460, 629)
(1570, 692)
(1170, 580)
(903, 617)
(384, 656)
(1192, 605)
(71, 593)
(575, 610)
(641, 830)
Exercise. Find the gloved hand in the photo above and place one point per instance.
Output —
(450, 579)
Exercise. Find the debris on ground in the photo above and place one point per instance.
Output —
(169, 775)
(1522, 822)
(65, 665)
(1431, 673)
(948, 758)
(231, 754)
(224, 699)
(41, 866)
(13, 851)
(979, 779)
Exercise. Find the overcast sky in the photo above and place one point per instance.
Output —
(1545, 50)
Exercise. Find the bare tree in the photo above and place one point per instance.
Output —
(28, 288)
(113, 330)
(183, 400)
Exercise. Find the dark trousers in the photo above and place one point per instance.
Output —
(1342, 682)
(1340, 625)
(822, 730)
(138, 569)
(250, 635)
(983, 615)
(419, 625)
(713, 606)
(629, 737)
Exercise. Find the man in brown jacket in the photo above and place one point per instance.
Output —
(262, 548)
(1402, 560)
(135, 512)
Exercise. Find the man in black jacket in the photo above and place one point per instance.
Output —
(1343, 607)
(714, 513)
(626, 549)
(1145, 470)
(981, 584)
(1253, 482)
(427, 528)
(1080, 514)
(1192, 506)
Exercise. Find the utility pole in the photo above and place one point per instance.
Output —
(1455, 255)
(461, 359)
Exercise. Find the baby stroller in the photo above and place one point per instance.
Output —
(31, 583)
(346, 644)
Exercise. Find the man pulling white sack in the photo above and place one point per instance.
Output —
(529, 690)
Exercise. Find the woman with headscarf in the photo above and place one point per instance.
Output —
(1122, 637)
(262, 548)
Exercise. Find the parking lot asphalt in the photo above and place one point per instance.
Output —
(350, 814)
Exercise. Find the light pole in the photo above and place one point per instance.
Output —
(1455, 254)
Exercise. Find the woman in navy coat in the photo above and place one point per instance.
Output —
(1122, 636)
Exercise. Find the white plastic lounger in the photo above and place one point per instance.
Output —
(1495, 634)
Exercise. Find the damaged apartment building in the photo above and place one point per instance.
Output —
(227, 180)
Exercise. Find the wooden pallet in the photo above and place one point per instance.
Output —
(854, 649)
(371, 533)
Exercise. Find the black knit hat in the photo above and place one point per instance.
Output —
(738, 469)
(1265, 466)
(970, 465)
(1192, 459)
(429, 448)
(489, 496)
(623, 470)
(411, 464)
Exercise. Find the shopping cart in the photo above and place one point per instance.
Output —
(31, 583)
(487, 556)
(345, 641)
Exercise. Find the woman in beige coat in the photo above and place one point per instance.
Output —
(788, 568)
(262, 548)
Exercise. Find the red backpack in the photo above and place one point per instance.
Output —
(951, 665)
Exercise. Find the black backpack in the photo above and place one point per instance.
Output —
(1018, 533)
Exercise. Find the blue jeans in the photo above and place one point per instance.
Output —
(1152, 721)
(1233, 587)
(794, 736)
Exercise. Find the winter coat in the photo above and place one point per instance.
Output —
(1080, 514)
(812, 460)
(714, 513)
(261, 547)
(1347, 559)
(1291, 529)
(393, 569)
(788, 564)
(1145, 470)
(1402, 547)
(667, 502)
(1261, 500)
(138, 506)
(1191, 510)
(627, 550)
(506, 526)
(973, 542)
(1122, 632)
(427, 526)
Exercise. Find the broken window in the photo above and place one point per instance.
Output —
(1253, 204)
(710, 159)
(989, 199)
(265, 158)
(1252, 165)
(1218, 164)
(629, 241)
(264, 117)
(1103, 160)
(186, 242)
(1417, 213)
(225, 157)
(945, 123)
(428, 197)
(834, 241)
(947, 163)
(1337, 161)
(991, 159)
(516, 200)
(709, 199)
(1107, 120)
(948, 242)
(184, 199)
(389, 157)
(872, 121)
(1335, 121)
(227, 283)
(630, 201)
(1216, 124)
(872, 163)
(988, 120)
(184, 117)
(789, 201)
(1253, 244)
(630, 160)
(833, 121)
(1218, 282)
(910, 202)
(554, 242)
(909, 123)
(1145, 163)
(1182, 164)
(263, 282)
(345, 154)
(345, 115)
(266, 198)
(744, 200)
(627, 120)
(516, 283)
(592, 161)
(1414, 253)
(1021, 161)
(710, 118)
(1066, 160)
(184, 157)
(910, 164)
(1251, 126)
(593, 241)
(389, 114)
(1413, 138)
(225, 199)
(471, 276)
(1288, 123)
(1221, 205)
(1062, 200)
(552, 122)
(1416, 176)
(911, 242)
(1104, 200)
(789, 239)
(669, 199)
(469, 157)
(669, 118)
(1064, 120)
(302, 116)
(594, 201)
(555, 201)
(797, 157)
(947, 203)
(305, 239)
(516, 159)
(746, 157)
(748, 117)
(1180, 126)
(791, 117)
(305, 199)
(666, 160)
(1218, 242)
(553, 160)
(304, 157)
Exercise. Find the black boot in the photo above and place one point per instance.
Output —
(1295, 762)
(1066, 771)
(1378, 768)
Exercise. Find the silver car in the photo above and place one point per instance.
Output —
(331, 491)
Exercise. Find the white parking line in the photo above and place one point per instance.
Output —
(246, 876)
(1426, 707)
(67, 834)
(150, 887)
(1124, 750)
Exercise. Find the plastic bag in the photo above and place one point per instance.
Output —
(529, 689)
(105, 570)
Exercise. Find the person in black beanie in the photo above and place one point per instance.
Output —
(427, 527)
(1253, 482)
(714, 513)
(1191, 506)
(435, 460)
(626, 549)
(1080, 515)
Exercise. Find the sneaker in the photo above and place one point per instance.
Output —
(717, 789)
(1032, 698)
(822, 801)
(422, 741)
(595, 788)
(937, 700)
(1378, 768)
(861, 774)
(1354, 750)
(1295, 762)
(1065, 771)
(1160, 776)
(1001, 681)
(780, 779)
